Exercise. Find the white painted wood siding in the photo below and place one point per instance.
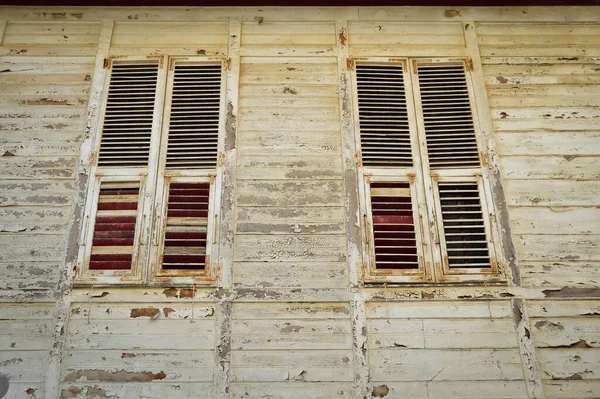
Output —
(543, 82)
(46, 73)
(288, 318)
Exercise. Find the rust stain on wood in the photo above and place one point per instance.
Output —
(114, 376)
(144, 312)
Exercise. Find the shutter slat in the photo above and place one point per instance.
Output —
(447, 115)
(194, 114)
(186, 227)
(129, 114)
(395, 242)
(115, 226)
(464, 228)
(383, 116)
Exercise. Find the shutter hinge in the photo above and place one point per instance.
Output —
(107, 62)
(93, 158)
(357, 160)
(228, 64)
(411, 177)
(221, 161)
(350, 63)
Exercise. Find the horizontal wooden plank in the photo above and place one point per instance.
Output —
(286, 248)
(558, 308)
(37, 219)
(127, 390)
(52, 167)
(566, 273)
(447, 310)
(290, 274)
(296, 372)
(569, 363)
(24, 193)
(204, 341)
(291, 90)
(539, 50)
(278, 28)
(545, 124)
(296, 72)
(36, 50)
(481, 389)
(557, 220)
(570, 167)
(405, 28)
(560, 332)
(207, 49)
(533, 30)
(107, 359)
(129, 312)
(553, 68)
(542, 143)
(290, 194)
(571, 389)
(314, 341)
(165, 373)
(295, 328)
(552, 193)
(290, 142)
(565, 90)
(51, 142)
(292, 390)
(272, 359)
(294, 311)
(21, 275)
(541, 100)
(558, 247)
(427, 372)
(30, 247)
(407, 50)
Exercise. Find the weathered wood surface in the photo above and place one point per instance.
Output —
(289, 221)
(281, 345)
(566, 334)
(25, 331)
(424, 342)
(542, 81)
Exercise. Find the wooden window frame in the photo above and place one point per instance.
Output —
(153, 188)
(425, 196)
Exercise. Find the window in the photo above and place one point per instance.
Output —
(427, 209)
(154, 190)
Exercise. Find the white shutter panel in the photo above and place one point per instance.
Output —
(193, 130)
(186, 227)
(383, 115)
(129, 114)
(116, 226)
(447, 115)
(464, 226)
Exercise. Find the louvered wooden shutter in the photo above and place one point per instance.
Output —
(193, 129)
(447, 115)
(186, 227)
(115, 226)
(464, 226)
(129, 114)
(383, 115)
(395, 243)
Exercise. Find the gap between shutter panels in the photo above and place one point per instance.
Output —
(127, 127)
(115, 226)
(464, 228)
(447, 115)
(395, 242)
(383, 115)
(194, 116)
(186, 227)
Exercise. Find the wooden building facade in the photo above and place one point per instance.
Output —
(297, 285)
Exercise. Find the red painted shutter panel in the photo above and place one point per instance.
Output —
(393, 227)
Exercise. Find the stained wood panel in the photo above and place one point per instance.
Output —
(566, 338)
(282, 344)
(420, 342)
(296, 39)
(185, 38)
(406, 39)
(25, 339)
(540, 80)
